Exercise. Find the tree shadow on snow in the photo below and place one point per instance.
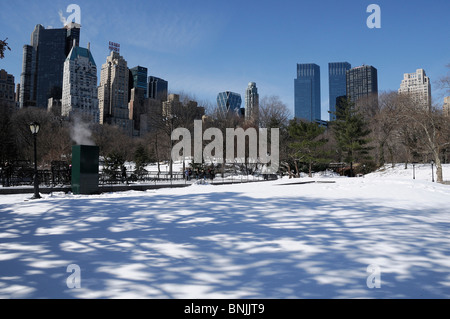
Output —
(220, 245)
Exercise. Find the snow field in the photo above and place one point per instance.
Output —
(259, 240)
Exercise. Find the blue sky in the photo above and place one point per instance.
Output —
(205, 47)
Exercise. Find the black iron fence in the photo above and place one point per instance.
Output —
(21, 173)
(118, 177)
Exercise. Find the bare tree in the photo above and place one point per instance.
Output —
(54, 142)
(8, 146)
(444, 82)
(273, 112)
(113, 142)
(435, 128)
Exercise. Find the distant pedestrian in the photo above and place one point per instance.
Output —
(203, 175)
(7, 174)
(124, 174)
(69, 174)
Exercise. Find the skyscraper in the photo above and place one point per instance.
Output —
(157, 89)
(80, 85)
(43, 64)
(446, 107)
(418, 86)
(113, 93)
(307, 92)
(171, 106)
(362, 81)
(7, 98)
(139, 79)
(252, 103)
(337, 84)
(229, 103)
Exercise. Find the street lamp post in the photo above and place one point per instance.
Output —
(169, 119)
(432, 171)
(34, 127)
(171, 148)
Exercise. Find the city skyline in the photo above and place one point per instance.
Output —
(182, 43)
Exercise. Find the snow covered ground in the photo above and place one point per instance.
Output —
(277, 239)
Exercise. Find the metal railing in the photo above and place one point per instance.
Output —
(62, 177)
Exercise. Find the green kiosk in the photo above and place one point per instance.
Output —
(85, 163)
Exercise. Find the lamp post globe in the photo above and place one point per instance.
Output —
(34, 127)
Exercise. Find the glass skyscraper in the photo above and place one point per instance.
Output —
(43, 64)
(307, 92)
(362, 81)
(157, 89)
(337, 73)
(229, 102)
(139, 79)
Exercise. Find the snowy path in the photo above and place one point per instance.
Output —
(259, 240)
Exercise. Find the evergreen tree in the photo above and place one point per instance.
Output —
(351, 131)
(3, 47)
(306, 143)
(141, 158)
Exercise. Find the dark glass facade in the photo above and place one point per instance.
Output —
(229, 102)
(43, 64)
(362, 81)
(337, 73)
(139, 78)
(307, 92)
(27, 95)
(157, 89)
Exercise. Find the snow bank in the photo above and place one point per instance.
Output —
(420, 171)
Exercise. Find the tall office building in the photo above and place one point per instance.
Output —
(139, 79)
(137, 94)
(17, 94)
(7, 95)
(80, 85)
(229, 103)
(362, 81)
(337, 77)
(158, 89)
(446, 107)
(43, 64)
(252, 103)
(418, 86)
(172, 104)
(307, 92)
(113, 93)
